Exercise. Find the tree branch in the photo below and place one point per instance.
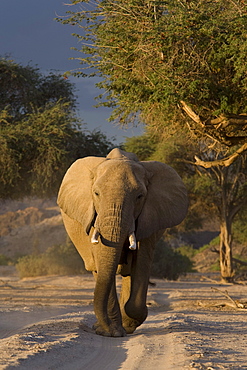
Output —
(224, 129)
(191, 114)
(216, 130)
(225, 293)
(225, 162)
(232, 119)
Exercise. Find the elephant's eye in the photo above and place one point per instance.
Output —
(96, 193)
(140, 196)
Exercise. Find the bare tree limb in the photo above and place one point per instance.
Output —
(225, 293)
(225, 162)
(225, 129)
(191, 114)
(236, 304)
(232, 119)
(215, 129)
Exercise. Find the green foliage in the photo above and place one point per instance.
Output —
(240, 271)
(89, 143)
(169, 264)
(4, 261)
(187, 250)
(24, 88)
(213, 244)
(33, 152)
(143, 146)
(152, 54)
(40, 134)
(240, 228)
(215, 267)
(57, 260)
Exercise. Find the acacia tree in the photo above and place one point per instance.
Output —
(220, 191)
(158, 59)
(40, 134)
(224, 187)
(171, 64)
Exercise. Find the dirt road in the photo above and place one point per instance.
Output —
(46, 324)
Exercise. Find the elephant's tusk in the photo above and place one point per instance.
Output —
(132, 240)
(95, 237)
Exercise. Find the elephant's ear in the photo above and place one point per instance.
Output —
(166, 203)
(75, 194)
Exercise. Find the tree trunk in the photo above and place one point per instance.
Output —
(226, 219)
(226, 251)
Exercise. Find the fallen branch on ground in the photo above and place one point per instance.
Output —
(235, 303)
(6, 285)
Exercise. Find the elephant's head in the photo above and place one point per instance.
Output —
(119, 196)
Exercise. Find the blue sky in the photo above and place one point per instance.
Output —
(29, 34)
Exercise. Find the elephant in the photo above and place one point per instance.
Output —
(115, 209)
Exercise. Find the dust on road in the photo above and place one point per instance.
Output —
(46, 324)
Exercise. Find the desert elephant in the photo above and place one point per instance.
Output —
(115, 209)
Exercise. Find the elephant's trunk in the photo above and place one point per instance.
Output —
(114, 226)
(108, 259)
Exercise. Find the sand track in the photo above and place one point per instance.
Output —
(46, 322)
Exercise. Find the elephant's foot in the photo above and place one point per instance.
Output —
(130, 325)
(112, 330)
(133, 317)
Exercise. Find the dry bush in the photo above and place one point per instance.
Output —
(57, 260)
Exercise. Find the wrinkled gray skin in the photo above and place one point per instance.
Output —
(105, 200)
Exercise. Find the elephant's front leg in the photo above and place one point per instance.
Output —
(112, 324)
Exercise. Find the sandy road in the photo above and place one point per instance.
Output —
(45, 323)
